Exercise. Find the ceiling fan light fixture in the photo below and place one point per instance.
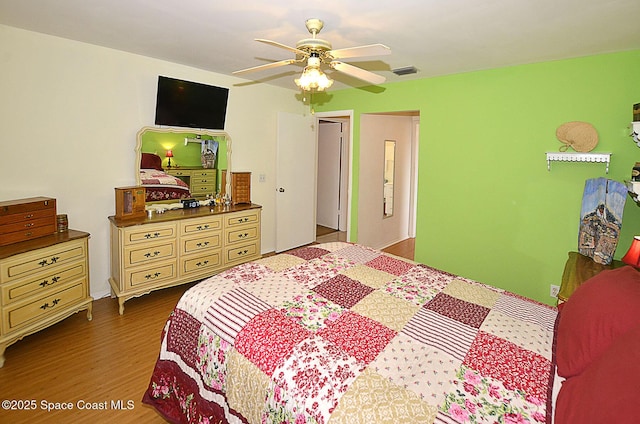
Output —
(313, 79)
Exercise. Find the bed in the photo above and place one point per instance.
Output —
(159, 185)
(342, 333)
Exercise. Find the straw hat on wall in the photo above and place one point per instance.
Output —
(580, 136)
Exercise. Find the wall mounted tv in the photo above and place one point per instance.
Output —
(190, 104)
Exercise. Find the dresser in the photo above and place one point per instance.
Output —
(201, 181)
(42, 281)
(180, 246)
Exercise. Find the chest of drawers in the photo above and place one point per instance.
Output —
(179, 247)
(42, 281)
(26, 219)
(201, 181)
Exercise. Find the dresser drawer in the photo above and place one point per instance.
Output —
(21, 314)
(19, 221)
(204, 173)
(238, 219)
(240, 235)
(152, 276)
(41, 259)
(241, 253)
(178, 172)
(25, 226)
(196, 226)
(140, 255)
(27, 234)
(205, 180)
(200, 263)
(202, 190)
(39, 285)
(146, 233)
(197, 244)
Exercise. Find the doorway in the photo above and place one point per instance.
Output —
(333, 194)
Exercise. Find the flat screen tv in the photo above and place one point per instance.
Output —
(190, 104)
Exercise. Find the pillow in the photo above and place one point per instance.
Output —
(607, 391)
(151, 161)
(600, 310)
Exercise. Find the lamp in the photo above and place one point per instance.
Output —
(633, 255)
(312, 77)
(169, 155)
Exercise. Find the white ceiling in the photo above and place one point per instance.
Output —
(437, 37)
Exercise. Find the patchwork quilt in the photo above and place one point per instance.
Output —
(161, 186)
(342, 333)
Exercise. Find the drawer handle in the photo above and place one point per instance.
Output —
(202, 227)
(205, 244)
(152, 276)
(203, 263)
(243, 252)
(29, 225)
(46, 283)
(154, 235)
(46, 305)
(241, 236)
(149, 254)
(245, 219)
(46, 262)
(28, 216)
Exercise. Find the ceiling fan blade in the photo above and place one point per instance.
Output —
(361, 51)
(356, 72)
(283, 46)
(267, 66)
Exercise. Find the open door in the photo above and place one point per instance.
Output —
(329, 174)
(295, 181)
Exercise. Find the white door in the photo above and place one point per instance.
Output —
(295, 181)
(329, 178)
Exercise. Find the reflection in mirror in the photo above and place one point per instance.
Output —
(389, 172)
(174, 164)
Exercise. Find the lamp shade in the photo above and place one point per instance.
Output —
(169, 154)
(633, 255)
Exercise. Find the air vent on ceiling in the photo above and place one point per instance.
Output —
(405, 71)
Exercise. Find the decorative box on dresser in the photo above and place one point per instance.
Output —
(180, 246)
(42, 281)
(26, 219)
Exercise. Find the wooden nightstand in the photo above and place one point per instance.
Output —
(577, 270)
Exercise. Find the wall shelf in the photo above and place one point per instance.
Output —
(578, 157)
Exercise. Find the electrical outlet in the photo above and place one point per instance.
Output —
(554, 290)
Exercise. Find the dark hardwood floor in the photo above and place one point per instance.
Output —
(109, 359)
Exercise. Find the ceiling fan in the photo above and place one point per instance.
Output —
(316, 52)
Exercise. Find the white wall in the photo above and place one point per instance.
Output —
(373, 229)
(69, 114)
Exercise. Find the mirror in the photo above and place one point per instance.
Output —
(389, 172)
(174, 164)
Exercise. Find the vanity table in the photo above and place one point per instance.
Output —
(180, 246)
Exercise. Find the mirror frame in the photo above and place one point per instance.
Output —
(389, 145)
(186, 131)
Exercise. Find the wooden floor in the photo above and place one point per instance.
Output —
(107, 360)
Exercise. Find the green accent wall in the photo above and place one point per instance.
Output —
(488, 208)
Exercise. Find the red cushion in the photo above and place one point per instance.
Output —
(607, 391)
(600, 310)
